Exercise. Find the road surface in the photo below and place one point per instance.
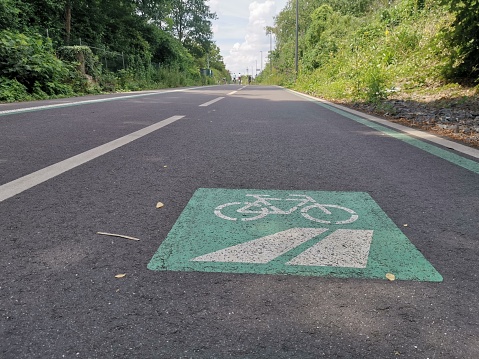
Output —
(269, 225)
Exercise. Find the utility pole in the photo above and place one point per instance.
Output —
(261, 61)
(271, 51)
(297, 38)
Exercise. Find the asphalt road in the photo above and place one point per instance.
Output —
(65, 175)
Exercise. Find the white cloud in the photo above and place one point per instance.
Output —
(240, 31)
(259, 12)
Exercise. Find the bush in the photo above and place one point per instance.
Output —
(463, 36)
(12, 90)
(375, 84)
(109, 82)
(82, 58)
(8, 14)
(32, 62)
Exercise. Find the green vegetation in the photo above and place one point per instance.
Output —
(367, 49)
(54, 48)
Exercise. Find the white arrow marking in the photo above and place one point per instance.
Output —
(264, 249)
(343, 248)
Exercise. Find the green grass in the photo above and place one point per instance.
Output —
(395, 49)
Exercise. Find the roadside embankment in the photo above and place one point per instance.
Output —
(455, 117)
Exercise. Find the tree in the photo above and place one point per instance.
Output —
(320, 21)
(191, 24)
(136, 38)
(68, 21)
(8, 14)
(155, 11)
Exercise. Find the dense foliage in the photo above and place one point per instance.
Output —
(463, 36)
(62, 47)
(366, 49)
(31, 62)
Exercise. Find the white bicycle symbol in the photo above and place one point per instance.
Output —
(262, 207)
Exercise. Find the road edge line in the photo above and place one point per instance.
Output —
(416, 133)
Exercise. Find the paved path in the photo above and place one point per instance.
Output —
(283, 218)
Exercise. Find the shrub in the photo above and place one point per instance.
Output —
(375, 82)
(12, 90)
(83, 58)
(32, 62)
(463, 37)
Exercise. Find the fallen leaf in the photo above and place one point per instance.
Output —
(390, 276)
(165, 166)
(117, 235)
(405, 225)
(120, 275)
(159, 205)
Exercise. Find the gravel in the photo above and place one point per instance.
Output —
(456, 118)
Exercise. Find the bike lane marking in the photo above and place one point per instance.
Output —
(342, 248)
(264, 249)
(334, 234)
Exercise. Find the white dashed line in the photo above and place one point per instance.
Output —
(19, 185)
(211, 102)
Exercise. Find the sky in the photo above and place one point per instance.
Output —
(240, 32)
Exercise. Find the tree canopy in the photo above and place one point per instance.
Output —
(133, 36)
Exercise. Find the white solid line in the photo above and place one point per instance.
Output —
(67, 104)
(86, 102)
(211, 102)
(19, 185)
(416, 133)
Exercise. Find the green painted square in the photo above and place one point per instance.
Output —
(217, 230)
